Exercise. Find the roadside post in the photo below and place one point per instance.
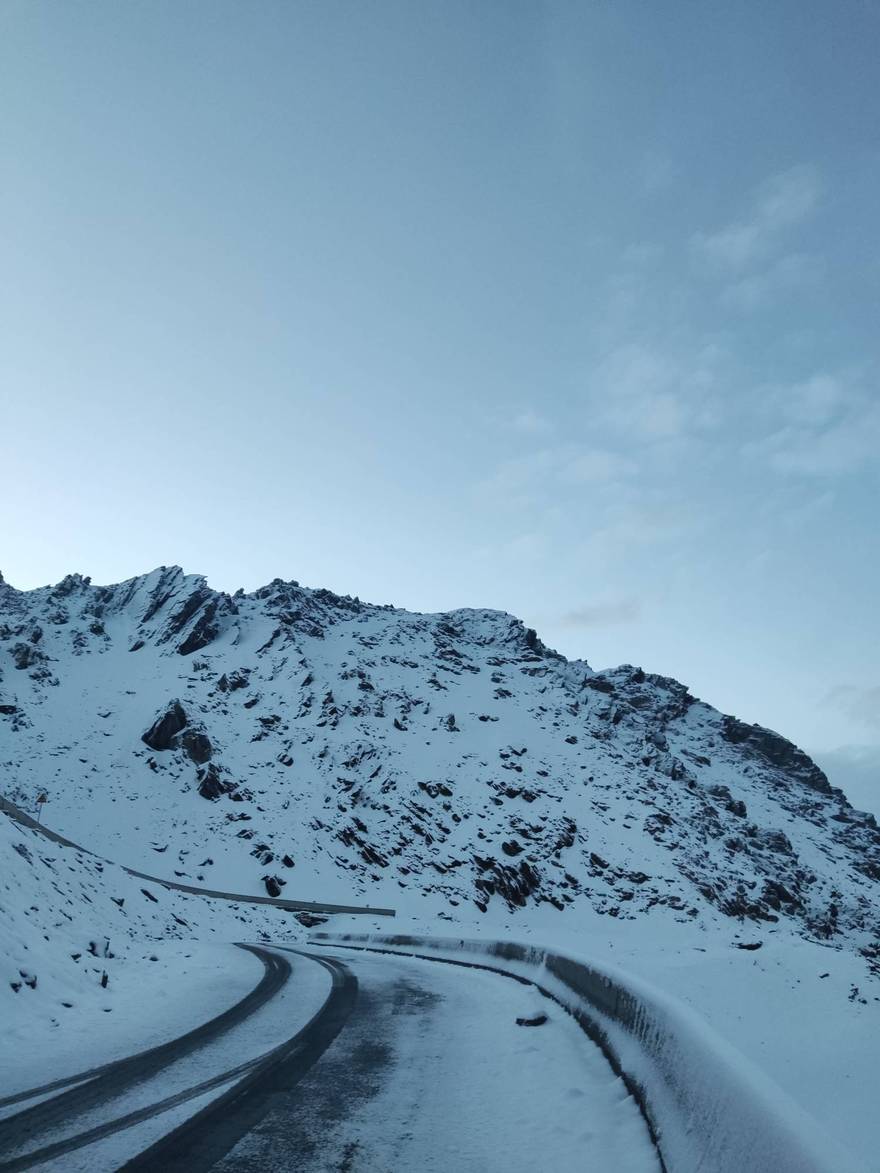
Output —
(42, 798)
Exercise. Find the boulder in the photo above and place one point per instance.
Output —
(164, 729)
(197, 746)
(211, 784)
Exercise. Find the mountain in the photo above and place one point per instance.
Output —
(298, 742)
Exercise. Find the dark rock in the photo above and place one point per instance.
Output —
(197, 746)
(164, 729)
(777, 750)
(204, 632)
(211, 784)
(309, 919)
(68, 584)
(182, 616)
(538, 1020)
(25, 655)
(274, 885)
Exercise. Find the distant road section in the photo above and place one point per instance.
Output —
(26, 820)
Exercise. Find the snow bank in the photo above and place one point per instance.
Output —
(95, 963)
(708, 1107)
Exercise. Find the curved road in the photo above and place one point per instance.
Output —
(409, 1065)
(25, 820)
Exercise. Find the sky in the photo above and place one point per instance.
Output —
(568, 310)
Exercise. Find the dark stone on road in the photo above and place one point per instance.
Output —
(538, 1020)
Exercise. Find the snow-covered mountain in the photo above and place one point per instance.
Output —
(292, 740)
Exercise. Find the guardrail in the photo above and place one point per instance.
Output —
(20, 816)
(708, 1108)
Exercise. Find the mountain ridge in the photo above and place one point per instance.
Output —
(298, 737)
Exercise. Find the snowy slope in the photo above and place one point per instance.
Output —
(97, 963)
(338, 749)
(450, 766)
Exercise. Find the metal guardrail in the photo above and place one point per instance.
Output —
(26, 820)
(707, 1106)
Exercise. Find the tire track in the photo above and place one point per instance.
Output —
(100, 1084)
(197, 1144)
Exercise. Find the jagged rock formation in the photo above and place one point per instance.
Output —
(450, 757)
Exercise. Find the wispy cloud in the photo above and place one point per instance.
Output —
(781, 202)
(531, 423)
(856, 770)
(650, 393)
(827, 425)
(594, 465)
(602, 614)
(546, 470)
(859, 704)
(756, 291)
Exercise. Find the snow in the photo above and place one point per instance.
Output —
(164, 975)
(188, 983)
(656, 837)
(469, 1089)
(708, 1105)
(278, 1020)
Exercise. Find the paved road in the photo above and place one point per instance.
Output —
(407, 1065)
(103, 1117)
(26, 820)
(432, 1073)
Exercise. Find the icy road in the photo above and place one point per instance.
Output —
(351, 1062)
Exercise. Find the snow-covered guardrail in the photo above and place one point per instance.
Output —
(709, 1109)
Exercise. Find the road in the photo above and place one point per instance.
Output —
(405, 1065)
(25, 820)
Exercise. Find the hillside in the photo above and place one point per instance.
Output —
(292, 740)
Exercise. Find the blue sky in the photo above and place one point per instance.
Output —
(566, 309)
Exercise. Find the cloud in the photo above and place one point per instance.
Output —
(856, 770)
(835, 451)
(530, 423)
(791, 274)
(788, 198)
(778, 204)
(593, 465)
(827, 426)
(628, 528)
(815, 401)
(602, 614)
(861, 705)
(650, 394)
(548, 469)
